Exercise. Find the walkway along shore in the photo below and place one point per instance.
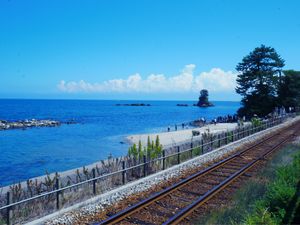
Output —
(175, 137)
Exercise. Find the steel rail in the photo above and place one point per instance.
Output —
(136, 207)
(180, 216)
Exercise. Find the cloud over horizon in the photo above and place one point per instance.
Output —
(215, 80)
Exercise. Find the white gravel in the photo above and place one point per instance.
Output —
(96, 204)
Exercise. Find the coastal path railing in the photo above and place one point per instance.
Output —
(18, 211)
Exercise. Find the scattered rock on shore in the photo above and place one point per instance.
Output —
(23, 124)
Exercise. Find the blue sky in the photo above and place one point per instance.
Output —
(137, 49)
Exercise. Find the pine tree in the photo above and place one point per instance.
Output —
(258, 78)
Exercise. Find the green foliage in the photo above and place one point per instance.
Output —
(256, 122)
(149, 144)
(257, 81)
(289, 89)
(153, 149)
(203, 98)
(196, 151)
(272, 208)
(133, 151)
(245, 207)
(261, 216)
(140, 149)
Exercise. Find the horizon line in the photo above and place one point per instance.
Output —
(93, 99)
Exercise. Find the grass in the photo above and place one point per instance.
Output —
(263, 199)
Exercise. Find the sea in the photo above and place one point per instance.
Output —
(100, 131)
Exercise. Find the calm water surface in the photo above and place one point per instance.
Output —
(102, 126)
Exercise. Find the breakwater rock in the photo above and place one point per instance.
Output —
(134, 104)
(182, 105)
(23, 124)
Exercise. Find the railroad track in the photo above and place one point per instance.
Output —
(176, 203)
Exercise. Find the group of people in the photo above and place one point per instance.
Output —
(281, 111)
(202, 121)
(183, 126)
(278, 111)
(227, 119)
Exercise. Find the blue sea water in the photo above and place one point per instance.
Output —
(101, 127)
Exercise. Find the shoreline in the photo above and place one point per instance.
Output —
(166, 139)
(174, 137)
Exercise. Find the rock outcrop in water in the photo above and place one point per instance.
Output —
(203, 99)
(23, 124)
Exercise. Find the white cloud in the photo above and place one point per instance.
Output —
(216, 80)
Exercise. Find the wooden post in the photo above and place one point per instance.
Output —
(94, 181)
(202, 146)
(219, 140)
(123, 172)
(145, 165)
(192, 150)
(9, 210)
(178, 155)
(211, 142)
(226, 138)
(57, 193)
(164, 159)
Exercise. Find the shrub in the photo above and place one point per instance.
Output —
(272, 209)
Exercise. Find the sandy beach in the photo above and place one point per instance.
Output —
(174, 137)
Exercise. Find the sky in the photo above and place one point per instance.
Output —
(137, 49)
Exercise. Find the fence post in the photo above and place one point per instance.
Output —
(164, 159)
(123, 172)
(9, 210)
(94, 181)
(57, 193)
(219, 140)
(145, 165)
(226, 138)
(211, 142)
(178, 155)
(192, 150)
(202, 146)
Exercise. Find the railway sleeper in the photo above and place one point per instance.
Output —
(162, 212)
(166, 205)
(138, 221)
(190, 192)
(220, 174)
